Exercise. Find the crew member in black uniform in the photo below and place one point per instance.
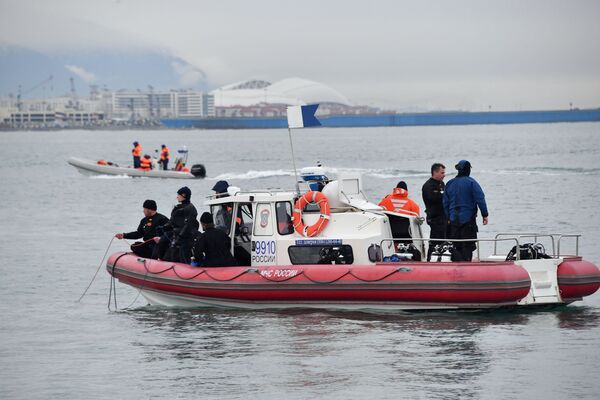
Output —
(179, 232)
(212, 248)
(433, 193)
(147, 229)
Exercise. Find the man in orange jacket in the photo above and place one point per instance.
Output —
(136, 152)
(146, 163)
(399, 202)
(164, 157)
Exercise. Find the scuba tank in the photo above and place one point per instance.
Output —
(442, 253)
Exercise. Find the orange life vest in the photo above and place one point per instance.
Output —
(164, 154)
(146, 163)
(399, 202)
(137, 151)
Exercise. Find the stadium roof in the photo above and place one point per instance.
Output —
(290, 91)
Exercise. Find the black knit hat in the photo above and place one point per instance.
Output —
(185, 192)
(402, 185)
(150, 205)
(206, 218)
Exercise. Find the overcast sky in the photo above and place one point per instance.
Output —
(402, 54)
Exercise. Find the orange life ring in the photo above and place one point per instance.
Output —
(313, 230)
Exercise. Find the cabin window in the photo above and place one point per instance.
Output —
(263, 223)
(243, 234)
(321, 254)
(222, 216)
(284, 218)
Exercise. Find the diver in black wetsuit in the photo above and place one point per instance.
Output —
(433, 193)
(180, 231)
(146, 230)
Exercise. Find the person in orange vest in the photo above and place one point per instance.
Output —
(399, 202)
(164, 157)
(136, 152)
(146, 163)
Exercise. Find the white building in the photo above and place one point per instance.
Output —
(154, 105)
(123, 105)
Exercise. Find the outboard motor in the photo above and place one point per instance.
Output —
(198, 171)
(315, 177)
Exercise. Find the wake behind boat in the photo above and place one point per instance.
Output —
(101, 167)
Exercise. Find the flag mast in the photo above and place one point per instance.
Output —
(300, 117)
(294, 162)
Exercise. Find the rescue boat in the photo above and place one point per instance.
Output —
(333, 249)
(104, 167)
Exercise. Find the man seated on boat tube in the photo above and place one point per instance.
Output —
(146, 230)
(212, 248)
(176, 242)
(146, 163)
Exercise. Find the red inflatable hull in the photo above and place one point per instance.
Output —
(386, 285)
(577, 278)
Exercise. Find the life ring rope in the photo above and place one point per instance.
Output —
(311, 197)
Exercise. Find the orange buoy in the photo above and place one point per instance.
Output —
(316, 228)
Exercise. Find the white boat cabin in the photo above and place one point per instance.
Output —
(358, 232)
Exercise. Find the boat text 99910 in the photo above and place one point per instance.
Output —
(263, 251)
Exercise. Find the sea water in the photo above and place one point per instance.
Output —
(56, 225)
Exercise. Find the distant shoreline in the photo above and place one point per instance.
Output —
(441, 118)
(404, 119)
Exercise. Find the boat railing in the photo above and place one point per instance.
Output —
(555, 238)
(269, 192)
(477, 240)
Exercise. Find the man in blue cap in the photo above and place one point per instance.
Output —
(462, 197)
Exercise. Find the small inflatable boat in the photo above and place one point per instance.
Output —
(102, 167)
(337, 252)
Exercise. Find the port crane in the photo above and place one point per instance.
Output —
(21, 93)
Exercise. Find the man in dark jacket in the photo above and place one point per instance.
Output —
(146, 230)
(212, 248)
(433, 193)
(179, 232)
(462, 197)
